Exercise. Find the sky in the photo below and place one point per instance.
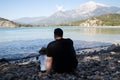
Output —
(14, 9)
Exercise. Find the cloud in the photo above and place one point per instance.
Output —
(60, 8)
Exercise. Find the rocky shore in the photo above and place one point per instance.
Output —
(97, 65)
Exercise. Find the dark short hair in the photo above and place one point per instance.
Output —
(58, 32)
(43, 50)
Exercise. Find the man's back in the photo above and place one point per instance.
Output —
(63, 54)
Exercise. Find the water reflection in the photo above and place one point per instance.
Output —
(94, 34)
(103, 34)
(94, 30)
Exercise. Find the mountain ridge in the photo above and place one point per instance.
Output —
(84, 11)
(103, 20)
(7, 23)
(27, 20)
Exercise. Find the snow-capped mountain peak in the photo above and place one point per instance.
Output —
(92, 4)
(84, 11)
(89, 7)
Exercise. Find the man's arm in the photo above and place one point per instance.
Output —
(49, 64)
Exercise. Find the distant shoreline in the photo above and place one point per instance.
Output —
(64, 26)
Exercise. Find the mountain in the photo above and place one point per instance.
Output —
(84, 11)
(103, 20)
(28, 20)
(7, 23)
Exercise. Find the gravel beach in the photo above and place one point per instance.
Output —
(95, 66)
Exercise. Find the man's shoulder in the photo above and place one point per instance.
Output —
(52, 43)
(69, 40)
(56, 42)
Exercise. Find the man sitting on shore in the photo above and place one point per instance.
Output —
(61, 56)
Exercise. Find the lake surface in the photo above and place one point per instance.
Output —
(106, 34)
(21, 42)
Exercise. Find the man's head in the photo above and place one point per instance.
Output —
(58, 33)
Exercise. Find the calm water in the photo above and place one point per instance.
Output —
(106, 34)
(21, 42)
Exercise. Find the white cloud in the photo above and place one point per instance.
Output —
(60, 8)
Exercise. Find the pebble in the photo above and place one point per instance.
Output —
(96, 66)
